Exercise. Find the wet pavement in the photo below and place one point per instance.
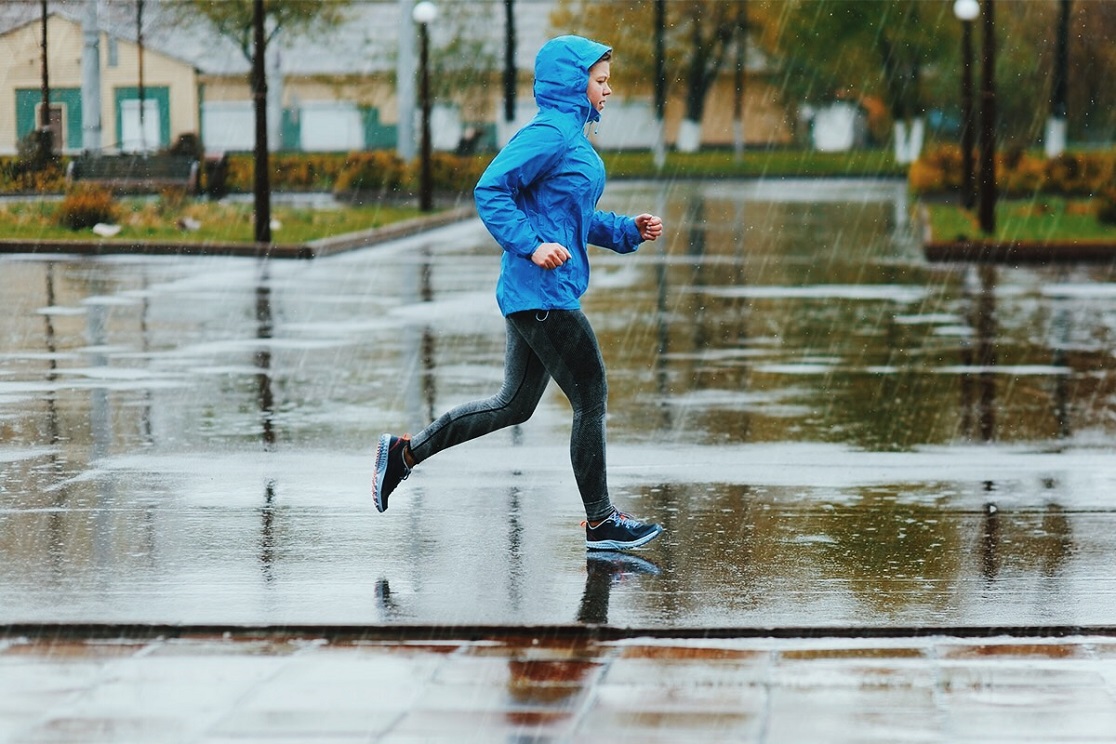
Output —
(300, 689)
(836, 435)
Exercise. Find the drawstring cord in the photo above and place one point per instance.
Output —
(542, 315)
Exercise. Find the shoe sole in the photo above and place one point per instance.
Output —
(618, 545)
(380, 471)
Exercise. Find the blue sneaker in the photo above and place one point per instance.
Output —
(390, 469)
(620, 532)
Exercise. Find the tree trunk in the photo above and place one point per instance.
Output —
(689, 136)
(909, 136)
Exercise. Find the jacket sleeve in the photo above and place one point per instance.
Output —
(529, 155)
(614, 231)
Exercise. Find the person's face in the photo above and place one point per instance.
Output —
(598, 84)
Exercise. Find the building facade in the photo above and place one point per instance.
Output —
(170, 91)
(336, 93)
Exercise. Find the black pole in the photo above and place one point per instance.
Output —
(1058, 92)
(988, 122)
(142, 92)
(509, 61)
(660, 82)
(660, 59)
(738, 77)
(968, 195)
(426, 196)
(44, 87)
(259, 98)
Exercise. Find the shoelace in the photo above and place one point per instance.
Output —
(619, 516)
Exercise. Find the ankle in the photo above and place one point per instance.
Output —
(408, 457)
(595, 523)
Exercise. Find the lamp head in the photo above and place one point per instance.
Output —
(965, 10)
(425, 12)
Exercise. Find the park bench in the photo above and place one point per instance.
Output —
(135, 173)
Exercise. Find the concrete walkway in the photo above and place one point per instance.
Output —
(277, 688)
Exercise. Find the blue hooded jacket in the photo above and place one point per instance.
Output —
(544, 185)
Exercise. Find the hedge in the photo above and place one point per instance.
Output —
(1018, 173)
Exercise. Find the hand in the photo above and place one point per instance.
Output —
(550, 255)
(650, 227)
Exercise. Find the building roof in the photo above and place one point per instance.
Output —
(365, 44)
(18, 15)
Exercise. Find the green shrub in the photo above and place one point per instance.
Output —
(1022, 175)
(456, 174)
(241, 174)
(36, 150)
(1105, 205)
(305, 171)
(938, 170)
(85, 206)
(377, 172)
(1017, 172)
(1065, 173)
(287, 171)
(17, 176)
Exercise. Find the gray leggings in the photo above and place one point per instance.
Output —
(541, 345)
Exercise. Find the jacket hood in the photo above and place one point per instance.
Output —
(562, 74)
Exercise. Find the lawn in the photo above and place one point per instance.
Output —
(161, 220)
(1038, 219)
(756, 163)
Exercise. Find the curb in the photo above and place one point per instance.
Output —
(576, 632)
(1019, 252)
(394, 231)
(1013, 252)
(312, 249)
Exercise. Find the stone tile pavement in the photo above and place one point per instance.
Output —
(221, 689)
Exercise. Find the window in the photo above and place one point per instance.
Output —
(57, 128)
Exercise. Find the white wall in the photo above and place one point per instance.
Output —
(625, 125)
(330, 127)
(838, 127)
(228, 125)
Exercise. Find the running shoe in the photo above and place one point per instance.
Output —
(620, 532)
(390, 469)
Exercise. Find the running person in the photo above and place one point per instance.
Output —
(538, 199)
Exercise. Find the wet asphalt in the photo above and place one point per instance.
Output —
(841, 440)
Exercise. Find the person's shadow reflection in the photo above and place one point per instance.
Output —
(605, 569)
(546, 685)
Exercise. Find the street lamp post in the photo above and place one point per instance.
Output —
(511, 77)
(45, 142)
(262, 187)
(659, 149)
(988, 122)
(423, 14)
(966, 11)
